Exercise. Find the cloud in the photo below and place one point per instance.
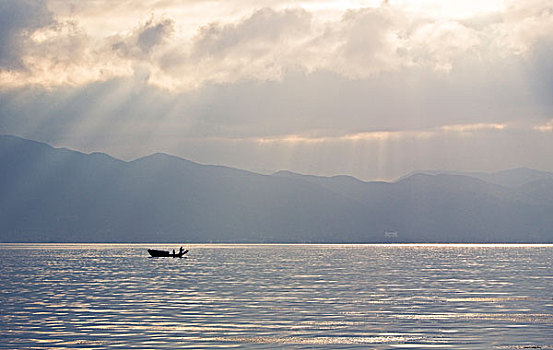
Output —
(539, 70)
(547, 127)
(261, 31)
(269, 43)
(364, 42)
(19, 19)
(262, 45)
(140, 43)
(439, 44)
(271, 87)
(154, 34)
(525, 24)
(320, 123)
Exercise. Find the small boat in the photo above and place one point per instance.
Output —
(166, 254)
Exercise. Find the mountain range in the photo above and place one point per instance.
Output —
(58, 195)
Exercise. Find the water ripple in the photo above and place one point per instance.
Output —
(277, 297)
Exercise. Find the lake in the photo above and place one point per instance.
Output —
(95, 296)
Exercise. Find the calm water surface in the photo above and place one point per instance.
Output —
(277, 297)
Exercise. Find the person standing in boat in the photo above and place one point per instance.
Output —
(181, 250)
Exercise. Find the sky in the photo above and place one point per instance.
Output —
(372, 89)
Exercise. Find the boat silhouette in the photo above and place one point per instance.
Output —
(154, 253)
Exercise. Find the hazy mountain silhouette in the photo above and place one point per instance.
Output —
(510, 178)
(58, 195)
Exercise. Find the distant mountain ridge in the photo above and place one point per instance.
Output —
(510, 178)
(58, 195)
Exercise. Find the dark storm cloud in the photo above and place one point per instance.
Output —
(18, 20)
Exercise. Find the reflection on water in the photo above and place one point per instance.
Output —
(277, 296)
